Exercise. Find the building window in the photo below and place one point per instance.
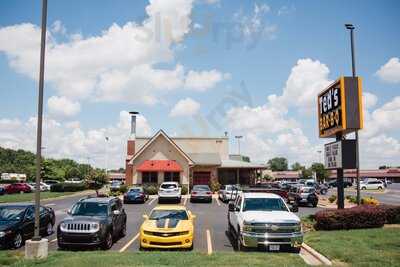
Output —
(149, 178)
(171, 177)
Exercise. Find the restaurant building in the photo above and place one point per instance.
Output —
(187, 160)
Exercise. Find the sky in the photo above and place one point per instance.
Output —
(196, 68)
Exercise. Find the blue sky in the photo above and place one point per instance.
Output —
(217, 47)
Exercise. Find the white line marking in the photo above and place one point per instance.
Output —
(218, 203)
(129, 243)
(151, 201)
(209, 244)
(50, 205)
(184, 201)
(54, 240)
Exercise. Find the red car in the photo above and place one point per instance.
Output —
(17, 188)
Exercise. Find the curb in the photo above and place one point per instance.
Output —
(316, 254)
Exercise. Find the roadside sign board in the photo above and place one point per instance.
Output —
(340, 154)
(340, 107)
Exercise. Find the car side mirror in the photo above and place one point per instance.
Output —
(294, 208)
(116, 212)
(231, 206)
(146, 217)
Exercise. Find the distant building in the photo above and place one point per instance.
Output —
(187, 160)
(13, 177)
(116, 176)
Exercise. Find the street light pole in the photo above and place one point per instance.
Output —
(106, 154)
(36, 236)
(353, 68)
(238, 137)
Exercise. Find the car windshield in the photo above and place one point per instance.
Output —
(168, 186)
(89, 209)
(116, 183)
(264, 204)
(169, 214)
(11, 213)
(135, 190)
(201, 188)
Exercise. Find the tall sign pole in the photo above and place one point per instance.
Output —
(353, 68)
(36, 236)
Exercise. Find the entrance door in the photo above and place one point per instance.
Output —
(201, 178)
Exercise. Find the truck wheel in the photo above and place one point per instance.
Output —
(296, 250)
(239, 244)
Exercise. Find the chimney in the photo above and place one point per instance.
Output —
(130, 151)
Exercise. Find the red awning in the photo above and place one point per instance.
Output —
(159, 165)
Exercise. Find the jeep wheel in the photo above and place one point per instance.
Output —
(108, 241)
(123, 230)
(17, 240)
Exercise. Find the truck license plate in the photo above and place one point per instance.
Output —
(274, 247)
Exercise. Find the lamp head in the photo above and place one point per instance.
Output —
(349, 26)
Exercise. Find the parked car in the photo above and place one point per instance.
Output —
(2, 191)
(74, 181)
(43, 186)
(51, 182)
(17, 188)
(115, 185)
(168, 226)
(95, 222)
(321, 189)
(135, 195)
(264, 220)
(201, 193)
(308, 196)
(169, 191)
(17, 223)
(372, 184)
(346, 184)
(228, 192)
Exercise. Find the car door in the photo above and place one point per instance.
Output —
(28, 224)
(115, 217)
(44, 219)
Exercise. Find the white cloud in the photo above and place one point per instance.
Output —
(69, 140)
(390, 72)
(254, 26)
(204, 80)
(117, 65)
(185, 107)
(62, 107)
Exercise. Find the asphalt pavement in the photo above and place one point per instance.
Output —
(210, 223)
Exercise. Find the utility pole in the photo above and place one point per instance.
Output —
(38, 247)
(238, 137)
(106, 153)
(353, 68)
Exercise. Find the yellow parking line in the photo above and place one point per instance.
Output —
(209, 244)
(218, 203)
(184, 201)
(151, 201)
(129, 243)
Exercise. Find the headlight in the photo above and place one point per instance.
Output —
(63, 226)
(298, 227)
(2, 234)
(95, 226)
(247, 228)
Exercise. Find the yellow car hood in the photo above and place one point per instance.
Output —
(167, 225)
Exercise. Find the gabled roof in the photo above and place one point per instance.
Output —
(205, 158)
(152, 139)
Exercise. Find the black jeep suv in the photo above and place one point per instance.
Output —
(92, 222)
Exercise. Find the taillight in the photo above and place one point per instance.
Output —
(194, 193)
(208, 193)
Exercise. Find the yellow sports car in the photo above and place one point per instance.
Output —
(168, 226)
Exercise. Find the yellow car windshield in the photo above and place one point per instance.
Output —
(169, 214)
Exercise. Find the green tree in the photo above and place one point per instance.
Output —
(96, 179)
(306, 173)
(72, 173)
(278, 164)
(320, 171)
(296, 166)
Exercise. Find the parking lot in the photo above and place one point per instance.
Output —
(210, 223)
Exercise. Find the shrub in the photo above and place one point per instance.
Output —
(150, 189)
(351, 199)
(369, 201)
(365, 216)
(184, 190)
(392, 213)
(214, 184)
(67, 187)
(332, 198)
(123, 189)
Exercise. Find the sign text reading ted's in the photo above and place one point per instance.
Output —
(330, 115)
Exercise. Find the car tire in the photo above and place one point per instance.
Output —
(239, 244)
(314, 204)
(296, 250)
(380, 188)
(122, 233)
(108, 241)
(363, 188)
(18, 240)
(49, 229)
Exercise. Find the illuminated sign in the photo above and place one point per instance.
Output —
(340, 154)
(340, 107)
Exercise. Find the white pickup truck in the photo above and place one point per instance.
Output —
(264, 220)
